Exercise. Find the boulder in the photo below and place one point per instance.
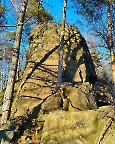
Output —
(78, 98)
(83, 127)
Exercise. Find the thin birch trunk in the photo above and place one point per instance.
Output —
(60, 61)
(12, 74)
(110, 42)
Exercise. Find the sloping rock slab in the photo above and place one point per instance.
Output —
(86, 127)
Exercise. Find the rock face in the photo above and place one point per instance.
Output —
(86, 127)
(69, 116)
(40, 75)
(44, 47)
(78, 98)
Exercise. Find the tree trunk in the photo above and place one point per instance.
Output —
(12, 74)
(60, 61)
(110, 42)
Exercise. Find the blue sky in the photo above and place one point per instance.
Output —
(55, 7)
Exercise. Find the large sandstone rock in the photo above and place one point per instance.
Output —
(40, 75)
(69, 115)
(86, 127)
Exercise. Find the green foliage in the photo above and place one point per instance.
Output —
(1, 10)
(95, 14)
(35, 10)
(6, 47)
(87, 8)
(10, 34)
(96, 58)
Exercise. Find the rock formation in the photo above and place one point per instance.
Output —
(70, 115)
(40, 75)
(85, 127)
